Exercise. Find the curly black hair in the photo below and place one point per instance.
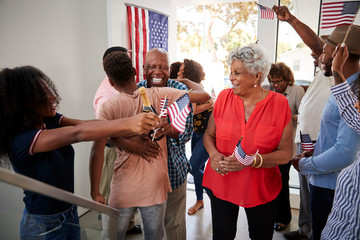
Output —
(24, 93)
(118, 67)
(114, 49)
(193, 71)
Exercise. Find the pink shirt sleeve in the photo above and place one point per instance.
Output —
(103, 93)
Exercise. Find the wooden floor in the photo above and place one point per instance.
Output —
(198, 225)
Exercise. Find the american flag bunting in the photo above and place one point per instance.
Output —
(178, 112)
(338, 13)
(146, 30)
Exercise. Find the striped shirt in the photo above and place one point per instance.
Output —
(346, 100)
(344, 219)
(178, 164)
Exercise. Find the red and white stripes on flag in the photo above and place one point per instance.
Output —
(266, 12)
(146, 30)
(163, 107)
(178, 112)
(242, 157)
(338, 13)
(138, 35)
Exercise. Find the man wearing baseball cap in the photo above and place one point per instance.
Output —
(337, 143)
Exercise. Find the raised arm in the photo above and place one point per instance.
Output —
(305, 32)
(52, 139)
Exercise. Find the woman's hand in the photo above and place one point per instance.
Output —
(231, 164)
(215, 161)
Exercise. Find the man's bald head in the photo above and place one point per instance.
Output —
(156, 67)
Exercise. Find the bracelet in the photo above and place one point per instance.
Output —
(254, 163)
(261, 161)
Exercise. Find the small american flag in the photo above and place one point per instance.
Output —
(266, 12)
(241, 156)
(306, 143)
(335, 14)
(178, 112)
(146, 30)
(163, 107)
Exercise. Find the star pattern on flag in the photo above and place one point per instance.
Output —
(146, 30)
(158, 35)
(306, 143)
(339, 13)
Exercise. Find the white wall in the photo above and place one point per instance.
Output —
(65, 39)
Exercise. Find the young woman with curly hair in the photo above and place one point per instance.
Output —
(38, 141)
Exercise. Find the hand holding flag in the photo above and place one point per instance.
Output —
(242, 157)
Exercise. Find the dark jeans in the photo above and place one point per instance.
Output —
(225, 214)
(198, 158)
(64, 225)
(321, 204)
(283, 211)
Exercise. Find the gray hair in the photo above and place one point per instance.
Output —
(254, 58)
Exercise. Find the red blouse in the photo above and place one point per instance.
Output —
(263, 130)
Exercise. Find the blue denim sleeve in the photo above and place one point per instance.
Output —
(339, 156)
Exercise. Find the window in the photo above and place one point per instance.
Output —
(207, 33)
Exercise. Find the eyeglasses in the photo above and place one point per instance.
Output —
(160, 67)
(277, 82)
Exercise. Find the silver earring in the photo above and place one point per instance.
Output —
(255, 85)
